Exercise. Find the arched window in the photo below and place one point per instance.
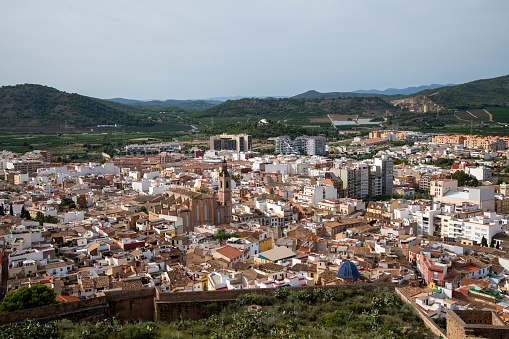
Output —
(226, 184)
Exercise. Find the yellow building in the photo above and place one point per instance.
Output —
(264, 244)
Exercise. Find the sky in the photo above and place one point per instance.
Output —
(165, 49)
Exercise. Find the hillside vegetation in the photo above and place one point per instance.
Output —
(476, 94)
(298, 111)
(315, 94)
(313, 313)
(186, 104)
(39, 107)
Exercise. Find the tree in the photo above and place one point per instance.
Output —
(143, 209)
(24, 213)
(28, 297)
(2, 211)
(484, 242)
(221, 234)
(492, 244)
(11, 211)
(464, 179)
(67, 202)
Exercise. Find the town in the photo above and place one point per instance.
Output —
(428, 213)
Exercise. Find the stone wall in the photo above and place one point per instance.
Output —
(430, 324)
(131, 304)
(475, 324)
(189, 305)
(149, 304)
(90, 309)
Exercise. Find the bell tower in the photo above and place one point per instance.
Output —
(225, 192)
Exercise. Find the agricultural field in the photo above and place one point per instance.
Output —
(214, 122)
(500, 114)
(481, 114)
(313, 313)
(466, 117)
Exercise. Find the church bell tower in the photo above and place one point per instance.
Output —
(225, 193)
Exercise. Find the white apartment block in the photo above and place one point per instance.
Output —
(475, 228)
(312, 195)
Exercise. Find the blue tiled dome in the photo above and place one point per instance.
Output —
(348, 270)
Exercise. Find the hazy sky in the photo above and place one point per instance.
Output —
(198, 49)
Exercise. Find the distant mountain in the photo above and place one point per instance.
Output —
(238, 97)
(315, 94)
(223, 99)
(474, 94)
(186, 104)
(298, 111)
(123, 101)
(366, 93)
(405, 91)
(40, 107)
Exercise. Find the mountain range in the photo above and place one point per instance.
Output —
(309, 94)
(37, 107)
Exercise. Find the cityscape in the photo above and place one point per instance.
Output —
(221, 170)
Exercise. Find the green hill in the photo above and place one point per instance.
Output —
(37, 107)
(476, 94)
(298, 111)
(315, 94)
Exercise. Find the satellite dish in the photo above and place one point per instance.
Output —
(295, 312)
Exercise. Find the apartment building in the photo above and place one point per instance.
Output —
(232, 142)
(283, 145)
(363, 179)
(475, 228)
(310, 145)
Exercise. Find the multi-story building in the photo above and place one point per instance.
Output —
(312, 195)
(481, 173)
(283, 145)
(310, 145)
(483, 196)
(233, 142)
(367, 179)
(475, 228)
(25, 167)
(502, 204)
(386, 166)
(425, 220)
(424, 182)
(438, 188)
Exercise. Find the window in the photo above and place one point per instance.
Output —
(435, 275)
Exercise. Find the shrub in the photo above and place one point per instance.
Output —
(29, 329)
(255, 299)
(334, 319)
(209, 309)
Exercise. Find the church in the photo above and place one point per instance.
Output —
(197, 208)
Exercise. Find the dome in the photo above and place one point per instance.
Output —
(348, 270)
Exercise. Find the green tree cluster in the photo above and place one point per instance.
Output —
(67, 202)
(24, 213)
(464, 179)
(28, 297)
(221, 234)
